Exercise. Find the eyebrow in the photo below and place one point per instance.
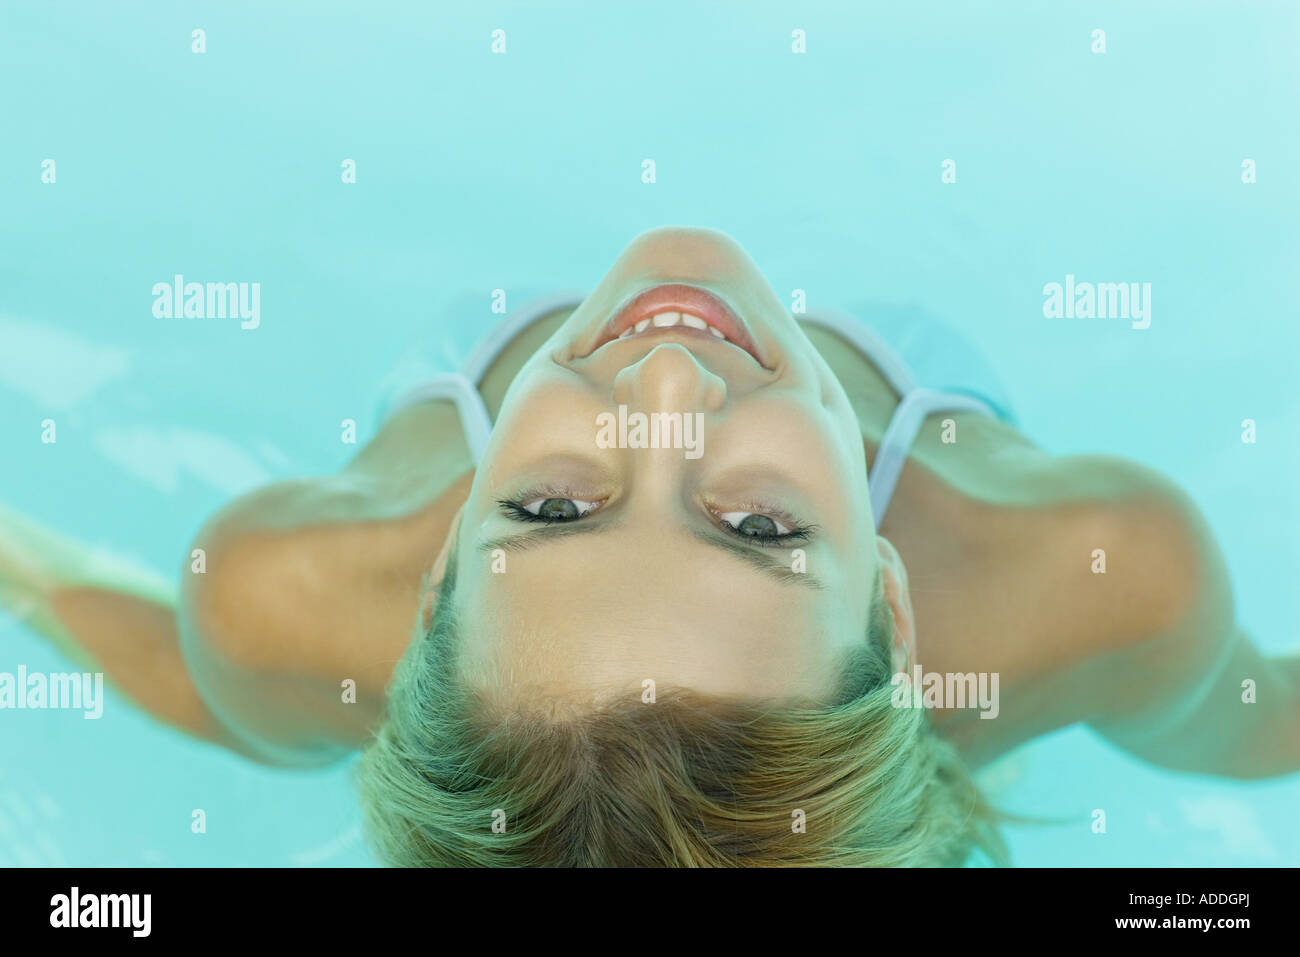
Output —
(768, 564)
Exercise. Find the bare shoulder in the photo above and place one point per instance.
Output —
(289, 601)
(1156, 596)
(1163, 565)
(309, 589)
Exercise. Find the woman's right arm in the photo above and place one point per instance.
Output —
(277, 642)
(1243, 721)
(247, 652)
(1193, 694)
(282, 629)
(105, 614)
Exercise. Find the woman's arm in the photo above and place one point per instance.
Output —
(1196, 695)
(286, 616)
(105, 614)
(1242, 721)
(252, 652)
(310, 589)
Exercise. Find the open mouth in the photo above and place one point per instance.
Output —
(680, 309)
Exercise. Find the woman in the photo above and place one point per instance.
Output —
(560, 644)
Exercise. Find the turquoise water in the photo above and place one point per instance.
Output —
(524, 171)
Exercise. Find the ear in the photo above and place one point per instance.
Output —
(894, 577)
(433, 578)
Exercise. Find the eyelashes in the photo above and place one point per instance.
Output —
(519, 510)
(795, 533)
(522, 513)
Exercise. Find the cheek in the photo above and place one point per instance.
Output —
(547, 409)
(821, 433)
(835, 402)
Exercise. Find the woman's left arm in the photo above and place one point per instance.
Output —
(1190, 691)
(1243, 722)
(105, 614)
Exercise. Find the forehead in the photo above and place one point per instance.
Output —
(609, 611)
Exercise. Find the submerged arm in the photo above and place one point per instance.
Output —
(1242, 722)
(1196, 695)
(106, 614)
(310, 585)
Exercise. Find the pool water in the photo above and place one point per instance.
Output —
(524, 171)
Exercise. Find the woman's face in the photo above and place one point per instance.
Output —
(738, 561)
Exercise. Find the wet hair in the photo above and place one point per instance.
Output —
(455, 777)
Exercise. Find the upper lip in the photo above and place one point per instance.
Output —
(679, 297)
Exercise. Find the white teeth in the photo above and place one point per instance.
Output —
(665, 320)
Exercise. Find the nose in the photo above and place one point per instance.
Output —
(669, 379)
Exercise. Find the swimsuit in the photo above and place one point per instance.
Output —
(906, 347)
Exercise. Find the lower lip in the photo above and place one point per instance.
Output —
(678, 297)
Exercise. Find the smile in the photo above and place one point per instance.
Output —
(681, 310)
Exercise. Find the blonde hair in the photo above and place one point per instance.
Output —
(453, 779)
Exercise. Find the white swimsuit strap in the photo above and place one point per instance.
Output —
(915, 404)
(876, 349)
(901, 432)
(492, 345)
(462, 386)
(474, 420)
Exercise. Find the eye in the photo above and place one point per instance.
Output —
(549, 509)
(754, 525)
(559, 509)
